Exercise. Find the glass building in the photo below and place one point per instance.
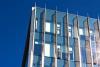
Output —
(61, 39)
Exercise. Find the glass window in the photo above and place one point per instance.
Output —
(33, 8)
(58, 46)
(71, 53)
(80, 31)
(36, 24)
(59, 54)
(47, 50)
(58, 28)
(36, 42)
(92, 36)
(84, 65)
(72, 64)
(47, 27)
(58, 25)
(91, 32)
(69, 34)
(70, 49)
(69, 29)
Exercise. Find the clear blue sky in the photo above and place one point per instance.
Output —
(14, 20)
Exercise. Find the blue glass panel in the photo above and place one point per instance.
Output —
(36, 62)
(36, 35)
(60, 16)
(59, 40)
(72, 64)
(71, 40)
(38, 13)
(64, 56)
(82, 43)
(47, 62)
(71, 56)
(91, 23)
(95, 65)
(81, 21)
(72, 47)
(37, 49)
(83, 54)
(52, 28)
(71, 17)
(49, 14)
(63, 48)
(60, 63)
(47, 38)
(82, 37)
(83, 64)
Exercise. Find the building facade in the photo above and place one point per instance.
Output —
(61, 39)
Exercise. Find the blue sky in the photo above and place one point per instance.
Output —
(14, 20)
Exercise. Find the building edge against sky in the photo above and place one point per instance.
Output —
(61, 39)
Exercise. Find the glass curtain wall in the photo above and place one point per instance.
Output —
(62, 39)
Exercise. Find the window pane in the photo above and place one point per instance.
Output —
(47, 27)
(58, 28)
(58, 46)
(81, 31)
(59, 53)
(36, 24)
(69, 28)
(58, 25)
(70, 49)
(47, 50)
(36, 42)
(69, 34)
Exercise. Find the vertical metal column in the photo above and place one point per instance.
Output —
(99, 25)
(77, 43)
(97, 40)
(87, 42)
(55, 40)
(67, 61)
(32, 36)
(43, 37)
